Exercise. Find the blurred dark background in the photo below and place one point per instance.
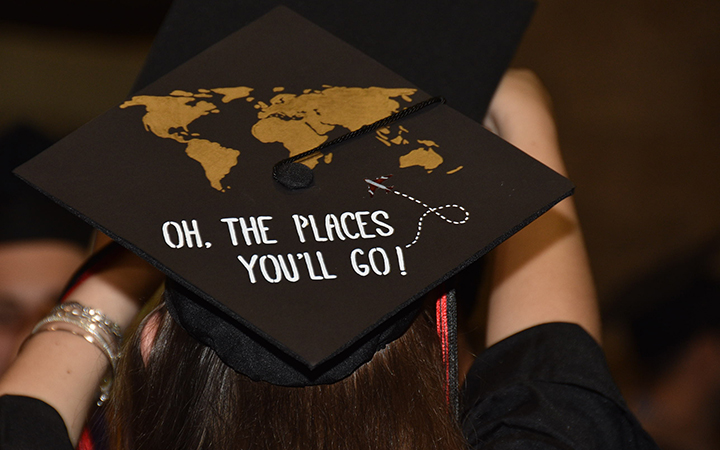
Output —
(635, 85)
(636, 89)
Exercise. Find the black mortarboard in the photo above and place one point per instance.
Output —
(294, 287)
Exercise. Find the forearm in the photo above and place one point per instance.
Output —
(542, 273)
(64, 370)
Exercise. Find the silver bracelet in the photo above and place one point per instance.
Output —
(91, 325)
(75, 309)
(90, 320)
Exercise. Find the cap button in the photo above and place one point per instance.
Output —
(293, 175)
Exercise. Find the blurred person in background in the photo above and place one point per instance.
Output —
(41, 244)
(670, 373)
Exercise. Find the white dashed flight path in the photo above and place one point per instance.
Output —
(428, 209)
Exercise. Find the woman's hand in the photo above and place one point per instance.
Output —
(542, 273)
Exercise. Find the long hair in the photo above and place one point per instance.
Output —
(184, 397)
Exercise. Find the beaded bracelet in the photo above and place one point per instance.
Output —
(94, 316)
(94, 327)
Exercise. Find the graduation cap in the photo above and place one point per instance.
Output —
(294, 287)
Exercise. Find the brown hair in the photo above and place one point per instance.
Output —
(186, 398)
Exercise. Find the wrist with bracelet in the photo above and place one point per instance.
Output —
(93, 326)
(73, 317)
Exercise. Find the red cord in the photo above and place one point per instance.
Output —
(86, 442)
(80, 281)
(441, 322)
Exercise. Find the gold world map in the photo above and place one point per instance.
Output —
(299, 122)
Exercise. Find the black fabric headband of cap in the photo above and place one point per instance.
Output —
(246, 352)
